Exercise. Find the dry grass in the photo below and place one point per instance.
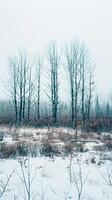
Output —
(47, 141)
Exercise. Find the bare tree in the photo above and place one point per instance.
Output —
(91, 87)
(72, 54)
(54, 59)
(97, 107)
(86, 83)
(38, 61)
(18, 82)
(13, 82)
(30, 87)
(20, 63)
(25, 71)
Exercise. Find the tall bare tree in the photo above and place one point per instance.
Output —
(54, 60)
(86, 79)
(72, 54)
(38, 62)
(91, 88)
(29, 93)
(13, 82)
(19, 66)
(23, 63)
(25, 72)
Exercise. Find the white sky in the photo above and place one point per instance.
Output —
(31, 24)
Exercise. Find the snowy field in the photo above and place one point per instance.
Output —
(68, 175)
(50, 179)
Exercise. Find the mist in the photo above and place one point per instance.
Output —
(31, 25)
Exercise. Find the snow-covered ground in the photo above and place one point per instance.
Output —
(86, 175)
(50, 178)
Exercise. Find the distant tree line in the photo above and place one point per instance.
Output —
(26, 89)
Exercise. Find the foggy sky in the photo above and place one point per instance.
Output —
(31, 24)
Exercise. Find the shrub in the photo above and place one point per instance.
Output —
(7, 150)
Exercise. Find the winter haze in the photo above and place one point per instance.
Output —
(31, 24)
